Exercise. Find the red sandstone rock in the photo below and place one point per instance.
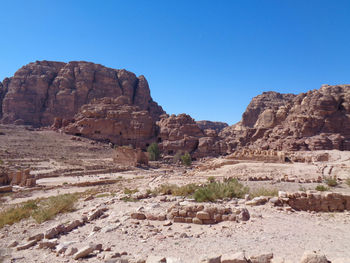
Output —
(44, 90)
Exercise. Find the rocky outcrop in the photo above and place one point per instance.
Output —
(211, 125)
(178, 133)
(316, 120)
(114, 120)
(181, 133)
(3, 91)
(44, 90)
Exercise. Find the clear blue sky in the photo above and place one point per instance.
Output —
(204, 58)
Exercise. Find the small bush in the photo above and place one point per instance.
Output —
(347, 181)
(262, 191)
(302, 188)
(218, 190)
(211, 179)
(172, 189)
(321, 188)
(331, 181)
(177, 157)
(128, 191)
(153, 152)
(186, 159)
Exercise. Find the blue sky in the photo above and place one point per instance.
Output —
(204, 58)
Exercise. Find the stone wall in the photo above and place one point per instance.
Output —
(316, 201)
(198, 214)
(128, 156)
(260, 155)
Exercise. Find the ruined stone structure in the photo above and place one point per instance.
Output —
(20, 177)
(127, 156)
(316, 201)
(198, 214)
(260, 155)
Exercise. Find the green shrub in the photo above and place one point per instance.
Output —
(218, 190)
(128, 191)
(172, 189)
(211, 179)
(186, 159)
(321, 188)
(153, 152)
(331, 181)
(177, 157)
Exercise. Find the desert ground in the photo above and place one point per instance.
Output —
(120, 215)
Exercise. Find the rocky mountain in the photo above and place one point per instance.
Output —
(44, 90)
(113, 105)
(318, 119)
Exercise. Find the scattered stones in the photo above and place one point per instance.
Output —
(138, 216)
(211, 259)
(36, 237)
(263, 258)
(234, 258)
(51, 244)
(313, 257)
(84, 252)
(27, 245)
(13, 244)
(156, 259)
(55, 231)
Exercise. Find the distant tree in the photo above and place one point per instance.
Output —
(186, 159)
(153, 152)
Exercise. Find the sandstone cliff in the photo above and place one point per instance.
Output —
(318, 119)
(114, 105)
(116, 121)
(41, 91)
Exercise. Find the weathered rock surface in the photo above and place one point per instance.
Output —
(114, 120)
(114, 105)
(316, 120)
(211, 125)
(43, 90)
(181, 133)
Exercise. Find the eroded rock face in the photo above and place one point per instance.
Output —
(211, 125)
(316, 120)
(43, 90)
(114, 120)
(178, 133)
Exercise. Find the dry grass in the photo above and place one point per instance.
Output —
(262, 191)
(172, 189)
(321, 188)
(331, 181)
(39, 209)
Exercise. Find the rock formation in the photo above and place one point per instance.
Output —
(44, 90)
(211, 125)
(318, 119)
(114, 120)
(114, 105)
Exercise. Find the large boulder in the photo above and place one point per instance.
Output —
(114, 120)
